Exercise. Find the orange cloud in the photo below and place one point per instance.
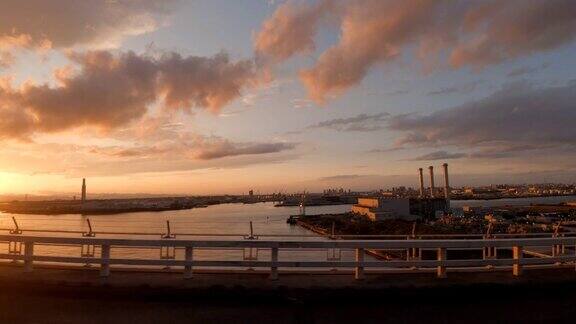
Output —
(374, 32)
(290, 30)
(6, 59)
(186, 82)
(112, 90)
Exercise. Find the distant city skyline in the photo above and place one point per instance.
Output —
(223, 97)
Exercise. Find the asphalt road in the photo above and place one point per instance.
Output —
(71, 296)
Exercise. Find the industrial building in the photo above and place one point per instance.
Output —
(425, 206)
(381, 208)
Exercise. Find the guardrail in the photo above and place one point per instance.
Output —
(332, 236)
(560, 246)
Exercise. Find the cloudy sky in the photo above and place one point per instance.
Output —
(218, 96)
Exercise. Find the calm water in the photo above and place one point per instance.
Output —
(203, 223)
(218, 219)
(231, 219)
(213, 220)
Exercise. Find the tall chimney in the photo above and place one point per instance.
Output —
(83, 190)
(431, 168)
(421, 182)
(446, 182)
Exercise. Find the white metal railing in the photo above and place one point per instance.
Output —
(334, 236)
(562, 252)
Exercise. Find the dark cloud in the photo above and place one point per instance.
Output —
(385, 150)
(194, 147)
(507, 29)
(112, 90)
(359, 123)
(517, 117)
(342, 177)
(221, 149)
(132, 152)
(505, 151)
(458, 89)
(493, 151)
(67, 23)
(525, 70)
(398, 92)
(439, 155)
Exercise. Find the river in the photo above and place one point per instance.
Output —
(224, 219)
(217, 219)
(213, 220)
(205, 223)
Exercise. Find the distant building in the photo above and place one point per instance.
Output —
(378, 209)
(428, 208)
(83, 190)
(251, 193)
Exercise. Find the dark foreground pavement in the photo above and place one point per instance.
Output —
(73, 296)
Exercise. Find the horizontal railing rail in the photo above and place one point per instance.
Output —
(562, 251)
(350, 244)
(336, 236)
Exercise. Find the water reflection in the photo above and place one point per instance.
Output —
(227, 219)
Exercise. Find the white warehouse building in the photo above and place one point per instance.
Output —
(384, 208)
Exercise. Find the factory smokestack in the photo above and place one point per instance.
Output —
(421, 182)
(432, 189)
(83, 190)
(446, 182)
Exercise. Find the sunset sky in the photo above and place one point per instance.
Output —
(221, 96)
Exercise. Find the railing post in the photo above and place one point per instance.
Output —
(517, 256)
(105, 261)
(274, 267)
(28, 256)
(414, 254)
(441, 269)
(359, 272)
(489, 252)
(188, 256)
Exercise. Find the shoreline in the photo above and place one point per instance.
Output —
(96, 212)
(511, 197)
(323, 233)
(62, 207)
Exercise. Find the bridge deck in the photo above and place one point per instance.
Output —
(63, 276)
